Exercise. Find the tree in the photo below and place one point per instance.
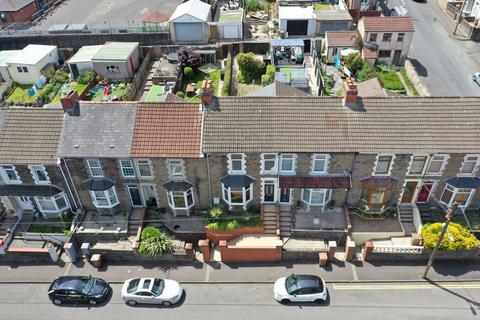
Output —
(354, 62)
(189, 58)
(250, 67)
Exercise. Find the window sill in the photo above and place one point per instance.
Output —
(268, 172)
(106, 207)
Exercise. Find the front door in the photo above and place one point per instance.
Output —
(25, 203)
(135, 196)
(285, 195)
(409, 191)
(150, 195)
(269, 191)
(424, 193)
(396, 57)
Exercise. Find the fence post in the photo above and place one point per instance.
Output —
(332, 248)
(204, 246)
(349, 249)
(367, 249)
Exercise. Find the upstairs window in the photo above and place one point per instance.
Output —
(373, 37)
(94, 168)
(387, 37)
(470, 165)
(269, 163)
(417, 165)
(287, 163)
(437, 165)
(400, 37)
(127, 169)
(175, 169)
(384, 165)
(236, 163)
(319, 163)
(10, 175)
(39, 174)
(144, 169)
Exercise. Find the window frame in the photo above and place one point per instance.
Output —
(390, 165)
(122, 164)
(325, 166)
(91, 168)
(387, 37)
(294, 163)
(6, 177)
(455, 191)
(274, 169)
(475, 168)
(185, 194)
(242, 162)
(108, 197)
(54, 201)
(368, 194)
(442, 167)
(400, 36)
(33, 171)
(424, 167)
(375, 37)
(172, 174)
(145, 162)
(327, 194)
(245, 200)
(382, 54)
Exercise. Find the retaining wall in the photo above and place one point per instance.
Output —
(250, 254)
(416, 79)
(217, 235)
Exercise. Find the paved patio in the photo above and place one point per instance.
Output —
(329, 219)
(105, 222)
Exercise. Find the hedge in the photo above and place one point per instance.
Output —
(227, 79)
(458, 238)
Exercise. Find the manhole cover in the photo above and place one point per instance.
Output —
(316, 221)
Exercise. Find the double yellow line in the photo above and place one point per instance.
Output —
(406, 286)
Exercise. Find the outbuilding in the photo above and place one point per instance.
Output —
(190, 22)
(117, 60)
(230, 24)
(297, 21)
(81, 61)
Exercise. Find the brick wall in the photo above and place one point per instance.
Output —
(245, 254)
(22, 15)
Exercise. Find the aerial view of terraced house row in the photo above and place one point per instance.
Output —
(279, 170)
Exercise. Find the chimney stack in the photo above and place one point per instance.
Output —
(70, 101)
(351, 93)
(206, 93)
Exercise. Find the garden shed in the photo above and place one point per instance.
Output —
(190, 22)
(81, 61)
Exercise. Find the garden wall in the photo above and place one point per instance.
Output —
(464, 255)
(217, 235)
(361, 237)
(133, 257)
(250, 254)
(328, 235)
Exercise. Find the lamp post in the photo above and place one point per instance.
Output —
(459, 17)
(448, 217)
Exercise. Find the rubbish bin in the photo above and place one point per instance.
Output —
(96, 260)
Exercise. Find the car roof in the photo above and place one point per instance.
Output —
(140, 286)
(72, 282)
(307, 281)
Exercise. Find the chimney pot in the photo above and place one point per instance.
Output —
(351, 92)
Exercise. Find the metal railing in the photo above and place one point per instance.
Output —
(398, 249)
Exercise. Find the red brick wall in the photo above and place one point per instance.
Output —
(216, 235)
(245, 254)
(22, 15)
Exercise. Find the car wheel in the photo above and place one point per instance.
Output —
(57, 302)
(92, 302)
(166, 303)
(285, 301)
(131, 302)
(319, 301)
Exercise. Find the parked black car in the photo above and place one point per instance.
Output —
(78, 289)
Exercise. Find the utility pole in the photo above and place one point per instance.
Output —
(459, 17)
(448, 217)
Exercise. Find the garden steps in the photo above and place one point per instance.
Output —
(256, 240)
(405, 213)
(270, 218)
(285, 221)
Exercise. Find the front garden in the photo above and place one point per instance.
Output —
(220, 220)
(154, 242)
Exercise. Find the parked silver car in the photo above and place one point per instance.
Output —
(151, 291)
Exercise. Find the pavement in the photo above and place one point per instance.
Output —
(216, 272)
(255, 301)
(445, 62)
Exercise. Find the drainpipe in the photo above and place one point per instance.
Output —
(59, 164)
(73, 184)
(209, 180)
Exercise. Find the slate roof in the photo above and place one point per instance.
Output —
(30, 136)
(386, 24)
(28, 190)
(333, 15)
(278, 89)
(101, 130)
(322, 124)
(13, 5)
(170, 129)
(371, 88)
(341, 38)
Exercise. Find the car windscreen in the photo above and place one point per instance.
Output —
(87, 285)
(133, 285)
(291, 284)
(158, 286)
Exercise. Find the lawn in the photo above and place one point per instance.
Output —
(118, 90)
(72, 85)
(155, 92)
(391, 80)
(20, 95)
(409, 82)
(198, 77)
(322, 6)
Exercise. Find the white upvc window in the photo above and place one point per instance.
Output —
(105, 199)
(144, 168)
(269, 163)
(237, 196)
(176, 169)
(417, 165)
(287, 163)
(10, 174)
(126, 168)
(181, 199)
(383, 164)
(319, 164)
(462, 196)
(437, 165)
(236, 163)
(55, 204)
(95, 168)
(39, 174)
(470, 165)
(316, 197)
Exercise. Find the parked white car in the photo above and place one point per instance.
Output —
(476, 77)
(300, 288)
(151, 291)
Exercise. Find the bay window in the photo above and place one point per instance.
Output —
(237, 196)
(287, 163)
(127, 169)
(55, 204)
(319, 163)
(181, 199)
(316, 197)
(451, 194)
(417, 165)
(269, 163)
(105, 199)
(374, 196)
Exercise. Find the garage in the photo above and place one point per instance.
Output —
(186, 32)
(230, 24)
(297, 27)
(231, 32)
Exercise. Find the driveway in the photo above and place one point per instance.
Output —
(102, 14)
(446, 63)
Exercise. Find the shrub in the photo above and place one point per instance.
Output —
(227, 79)
(189, 58)
(462, 238)
(86, 77)
(156, 244)
(366, 73)
(250, 67)
(149, 232)
(354, 62)
(269, 75)
(181, 94)
(188, 72)
(254, 5)
(216, 212)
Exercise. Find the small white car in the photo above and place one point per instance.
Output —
(151, 291)
(476, 78)
(300, 288)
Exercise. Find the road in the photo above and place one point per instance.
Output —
(446, 63)
(255, 301)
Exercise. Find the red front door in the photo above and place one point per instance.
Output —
(424, 192)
